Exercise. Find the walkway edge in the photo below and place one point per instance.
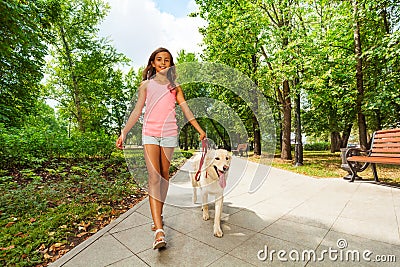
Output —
(78, 249)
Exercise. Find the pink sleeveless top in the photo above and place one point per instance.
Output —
(159, 115)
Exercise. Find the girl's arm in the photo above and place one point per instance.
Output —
(135, 115)
(180, 98)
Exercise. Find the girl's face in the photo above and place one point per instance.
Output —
(162, 61)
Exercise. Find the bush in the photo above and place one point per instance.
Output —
(31, 146)
(320, 146)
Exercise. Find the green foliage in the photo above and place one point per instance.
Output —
(41, 207)
(310, 44)
(22, 52)
(34, 145)
(320, 146)
(83, 74)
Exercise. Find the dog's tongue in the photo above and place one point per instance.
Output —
(222, 180)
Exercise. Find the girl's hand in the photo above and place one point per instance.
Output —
(120, 141)
(202, 135)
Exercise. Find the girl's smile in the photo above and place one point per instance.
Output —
(162, 61)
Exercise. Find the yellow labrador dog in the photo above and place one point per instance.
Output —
(211, 180)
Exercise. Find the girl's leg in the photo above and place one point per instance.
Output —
(152, 157)
(158, 161)
(166, 157)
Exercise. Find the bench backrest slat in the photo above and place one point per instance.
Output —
(385, 155)
(385, 140)
(389, 131)
(386, 143)
(386, 150)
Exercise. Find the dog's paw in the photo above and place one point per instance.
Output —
(194, 199)
(206, 216)
(218, 232)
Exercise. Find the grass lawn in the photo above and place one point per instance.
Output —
(324, 164)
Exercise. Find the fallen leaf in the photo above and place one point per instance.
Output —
(32, 220)
(114, 212)
(7, 248)
(93, 231)
(81, 234)
(9, 224)
(56, 246)
(46, 256)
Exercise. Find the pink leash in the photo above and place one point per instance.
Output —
(204, 145)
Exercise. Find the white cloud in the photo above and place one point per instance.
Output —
(137, 28)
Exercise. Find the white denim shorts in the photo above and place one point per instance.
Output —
(167, 141)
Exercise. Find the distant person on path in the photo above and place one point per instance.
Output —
(160, 93)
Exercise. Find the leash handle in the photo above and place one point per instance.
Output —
(204, 147)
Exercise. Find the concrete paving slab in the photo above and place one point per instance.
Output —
(380, 232)
(396, 196)
(249, 219)
(228, 260)
(184, 251)
(129, 262)
(140, 238)
(134, 220)
(233, 236)
(104, 251)
(261, 250)
(295, 232)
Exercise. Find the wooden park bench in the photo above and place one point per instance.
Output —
(240, 149)
(385, 149)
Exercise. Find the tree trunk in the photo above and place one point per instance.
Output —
(75, 88)
(345, 136)
(299, 141)
(257, 136)
(286, 152)
(335, 142)
(362, 126)
(219, 133)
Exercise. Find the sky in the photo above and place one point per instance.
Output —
(138, 27)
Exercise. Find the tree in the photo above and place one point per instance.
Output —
(232, 38)
(362, 125)
(22, 51)
(82, 71)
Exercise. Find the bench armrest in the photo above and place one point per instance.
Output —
(357, 152)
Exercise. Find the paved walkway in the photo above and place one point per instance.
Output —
(302, 217)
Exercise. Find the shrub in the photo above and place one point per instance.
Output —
(320, 146)
(31, 146)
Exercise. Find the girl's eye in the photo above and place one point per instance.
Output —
(217, 158)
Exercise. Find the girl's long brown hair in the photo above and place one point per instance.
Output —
(149, 72)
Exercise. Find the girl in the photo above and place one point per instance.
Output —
(160, 131)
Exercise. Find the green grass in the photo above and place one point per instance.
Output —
(324, 164)
(46, 211)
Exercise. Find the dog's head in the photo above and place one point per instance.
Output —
(220, 163)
